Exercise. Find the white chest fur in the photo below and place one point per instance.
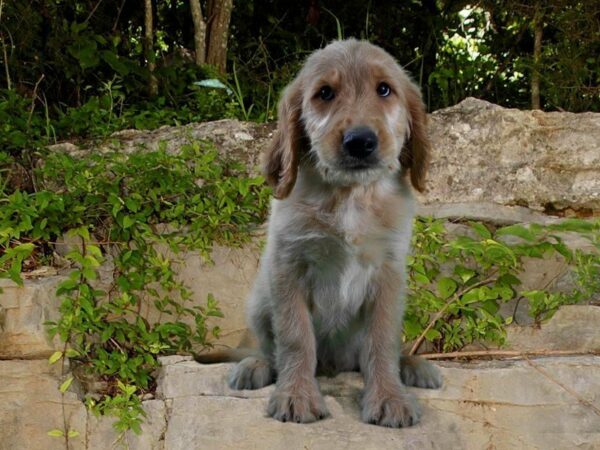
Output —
(339, 250)
(342, 263)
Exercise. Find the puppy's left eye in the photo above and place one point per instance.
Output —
(383, 89)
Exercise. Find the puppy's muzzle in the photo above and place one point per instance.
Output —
(359, 142)
(359, 148)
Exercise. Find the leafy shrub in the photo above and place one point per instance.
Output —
(457, 284)
(19, 126)
(141, 210)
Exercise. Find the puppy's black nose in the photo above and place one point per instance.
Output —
(359, 142)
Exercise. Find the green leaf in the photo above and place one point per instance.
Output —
(127, 222)
(73, 433)
(481, 230)
(491, 306)
(114, 61)
(411, 328)
(421, 279)
(72, 353)
(478, 294)
(56, 433)
(23, 250)
(89, 274)
(464, 273)
(66, 384)
(55, 357)
(432, 334)
(132, 204)
(83, 232)
(446, 287)
(517, 230)
(94, 251)
(508, 279)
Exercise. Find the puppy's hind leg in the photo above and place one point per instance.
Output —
(251, 373)
(418, 372)
(257, 371)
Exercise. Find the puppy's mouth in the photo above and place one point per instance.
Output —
(356, 165)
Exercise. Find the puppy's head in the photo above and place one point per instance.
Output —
(356, 114)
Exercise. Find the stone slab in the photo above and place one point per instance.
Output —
(546, 161)
(500, 405)
(23, 311)
(31, 405)
(572, 328)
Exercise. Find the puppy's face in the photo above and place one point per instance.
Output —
(354, 112)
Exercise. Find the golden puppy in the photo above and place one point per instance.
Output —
(350, 142)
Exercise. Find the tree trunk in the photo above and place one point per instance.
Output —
(199, 31)
(149, 47)
(219, 15)
(538, 28)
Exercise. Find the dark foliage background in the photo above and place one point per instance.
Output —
(79, 67)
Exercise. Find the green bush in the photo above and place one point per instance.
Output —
(141, 210)
(457, 284)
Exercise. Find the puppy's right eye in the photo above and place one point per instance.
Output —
(326, 93)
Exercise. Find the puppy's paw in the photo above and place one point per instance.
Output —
(396, 410)
(299, 404)
(251, 373)
(418, 372)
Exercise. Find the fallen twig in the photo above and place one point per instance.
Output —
(477, 354)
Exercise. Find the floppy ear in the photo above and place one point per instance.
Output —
(415, 154)
(280, 161)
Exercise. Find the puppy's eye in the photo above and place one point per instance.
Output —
(326, 93)
(383, 89)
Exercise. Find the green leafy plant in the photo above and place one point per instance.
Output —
(457, 284)
(140, 212)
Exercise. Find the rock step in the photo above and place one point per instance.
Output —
(493, 404)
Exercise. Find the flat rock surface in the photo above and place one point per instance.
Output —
(543, 403)
(499, 405)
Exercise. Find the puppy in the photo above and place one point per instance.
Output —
(351, 140)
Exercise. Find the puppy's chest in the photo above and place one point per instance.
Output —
(342, 263)
(349, 239)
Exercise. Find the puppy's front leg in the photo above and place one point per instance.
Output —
(296, 397)
(385, 400)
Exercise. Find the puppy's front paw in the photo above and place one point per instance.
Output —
(298, 404)
(418, 372)
(251, 373)
(395, 410)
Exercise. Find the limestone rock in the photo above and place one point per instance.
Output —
(482, 405)
(23, 311)
(572, 328)
(485, 153)
(188, 378)
(241, 141)
(102, 435)
(484, 158)
(229, 278)
(484, 212)
(30, 406)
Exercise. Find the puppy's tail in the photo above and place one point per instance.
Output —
(227, 355)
